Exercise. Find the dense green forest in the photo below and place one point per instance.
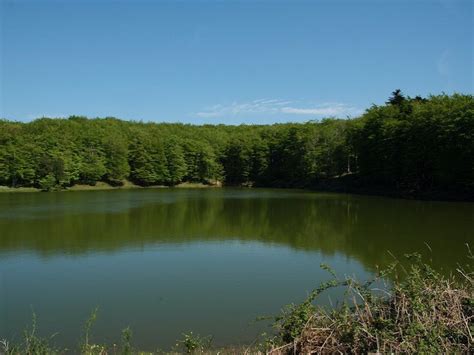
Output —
(413, 145)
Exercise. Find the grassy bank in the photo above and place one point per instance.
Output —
(18, 189)
(101, 185)
(420, 311)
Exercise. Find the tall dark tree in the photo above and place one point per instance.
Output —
(397, 98)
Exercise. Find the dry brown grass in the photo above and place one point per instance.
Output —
(425, 312)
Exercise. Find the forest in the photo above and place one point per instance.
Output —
(408, 145)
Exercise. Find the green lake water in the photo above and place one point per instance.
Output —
(168, 261)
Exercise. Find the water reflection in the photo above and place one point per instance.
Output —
(169, 261)
(360, 227)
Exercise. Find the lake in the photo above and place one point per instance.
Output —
(168, 261)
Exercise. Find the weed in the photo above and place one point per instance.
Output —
(126, 341)
(423, 312)
(194, 343)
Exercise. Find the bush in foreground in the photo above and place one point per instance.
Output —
(423, 312)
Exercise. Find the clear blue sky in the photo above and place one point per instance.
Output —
(228, 61)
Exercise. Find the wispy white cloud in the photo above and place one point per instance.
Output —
(444, 66)
(443, 63)
(251, 107)
(277, 106)
(330, 109)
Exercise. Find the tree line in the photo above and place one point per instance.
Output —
(410, 144)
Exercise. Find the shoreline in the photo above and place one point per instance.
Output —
(328, 186)
(103, 186)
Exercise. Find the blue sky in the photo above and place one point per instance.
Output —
(227, 61)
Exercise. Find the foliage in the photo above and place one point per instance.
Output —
(176, 163)
(116, 164)
(87, 347)
(126, 341)
(409, 145)
(423, 312)
(33, 344)
(194, 343)
(418, 145)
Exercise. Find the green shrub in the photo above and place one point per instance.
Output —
(423, 312)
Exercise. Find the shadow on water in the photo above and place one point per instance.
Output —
(357, 226)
